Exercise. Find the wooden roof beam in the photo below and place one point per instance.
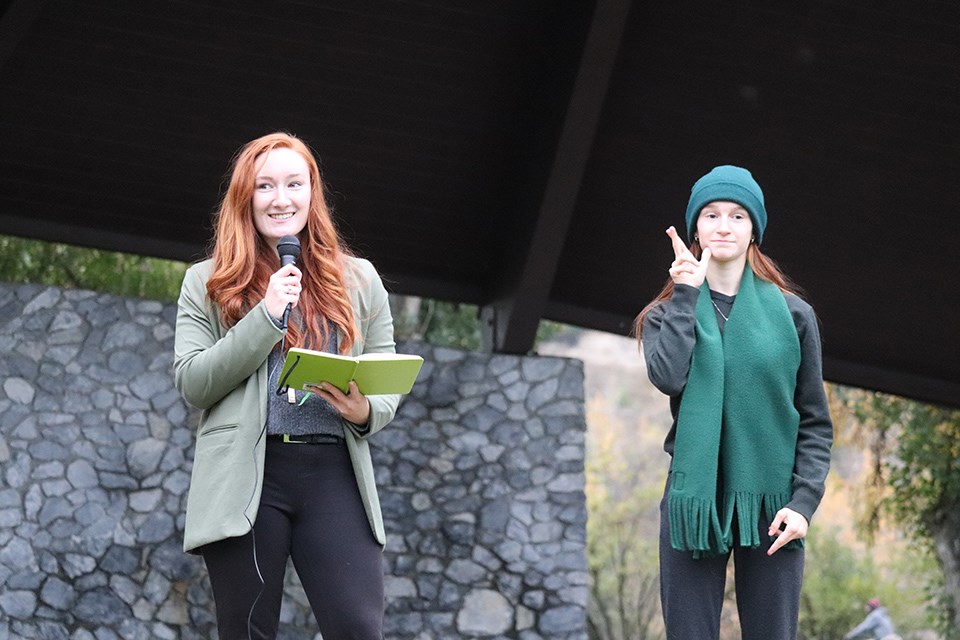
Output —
(510, 322)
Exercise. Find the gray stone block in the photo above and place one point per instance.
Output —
(480, 477)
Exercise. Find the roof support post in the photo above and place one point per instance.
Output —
(509, 323)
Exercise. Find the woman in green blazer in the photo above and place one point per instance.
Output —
(282, 475)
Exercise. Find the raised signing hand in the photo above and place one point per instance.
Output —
(686, 269)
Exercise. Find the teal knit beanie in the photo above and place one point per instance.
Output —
(732, 184)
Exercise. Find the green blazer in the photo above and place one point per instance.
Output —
(223, 372)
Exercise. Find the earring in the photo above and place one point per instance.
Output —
(696, 238)
(753, 239)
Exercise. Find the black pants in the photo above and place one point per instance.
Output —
(310, 511)
(691, 591)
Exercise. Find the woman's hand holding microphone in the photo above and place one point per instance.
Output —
(283, 289)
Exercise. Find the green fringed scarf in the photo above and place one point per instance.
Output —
(737, 425)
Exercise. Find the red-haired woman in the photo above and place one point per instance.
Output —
(738, 352)
(277, 476)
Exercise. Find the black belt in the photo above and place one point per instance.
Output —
(307, 438)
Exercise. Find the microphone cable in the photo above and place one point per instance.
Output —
(289, 250)
(253, 533)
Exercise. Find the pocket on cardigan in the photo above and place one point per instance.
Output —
(218, 430)
(215, 439)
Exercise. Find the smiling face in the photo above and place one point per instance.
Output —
(726, 228)
(281, 195)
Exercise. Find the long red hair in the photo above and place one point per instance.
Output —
(244, 262)
(765, 268)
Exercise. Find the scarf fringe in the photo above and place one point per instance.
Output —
(746, 506)
(695, 523)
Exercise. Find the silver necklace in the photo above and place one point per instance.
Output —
(725, 318)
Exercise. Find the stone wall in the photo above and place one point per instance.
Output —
(481, 482)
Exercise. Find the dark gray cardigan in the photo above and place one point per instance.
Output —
(669, 336)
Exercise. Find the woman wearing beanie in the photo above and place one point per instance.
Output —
(738, 352)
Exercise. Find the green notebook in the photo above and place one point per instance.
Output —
(374, 373)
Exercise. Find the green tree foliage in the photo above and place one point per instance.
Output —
(441, 323)
(835, 580)
(624, 581)
(622, 540)
(916, 478)
(62, 265)
(840, 578)
(450, 324)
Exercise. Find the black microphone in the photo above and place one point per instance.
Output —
(289, 250)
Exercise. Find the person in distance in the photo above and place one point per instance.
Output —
(876, 626)
(276, 475)
(738, 353)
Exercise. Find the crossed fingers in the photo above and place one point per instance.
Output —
(679, 248)
(686, 269)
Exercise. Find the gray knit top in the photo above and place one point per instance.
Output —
(315, 415)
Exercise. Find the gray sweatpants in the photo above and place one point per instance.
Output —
(691, 591)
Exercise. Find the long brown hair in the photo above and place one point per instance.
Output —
(244, 261)
(765, 268)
